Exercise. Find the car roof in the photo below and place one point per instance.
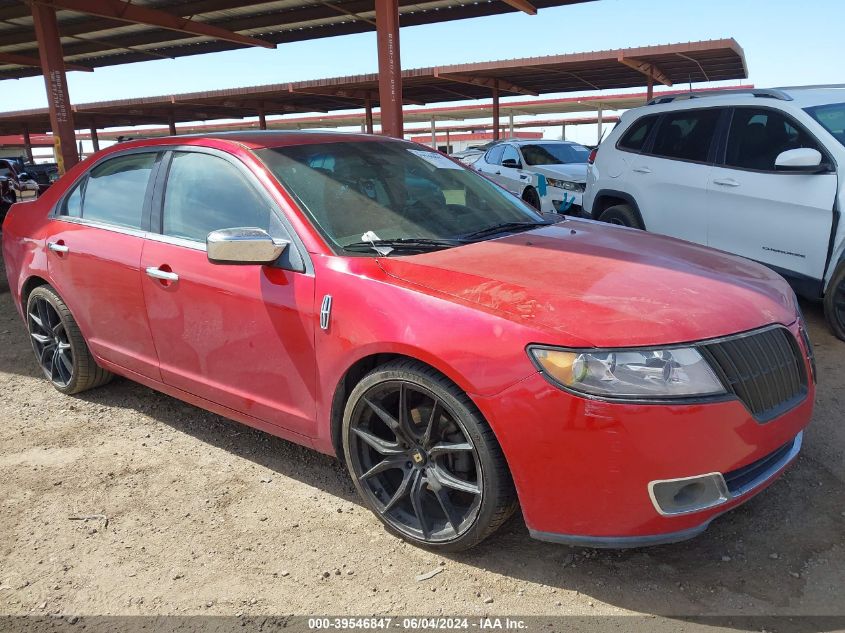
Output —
(787, 97)
(537, 141)
(258, 139)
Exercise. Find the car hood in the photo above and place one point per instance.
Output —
(594, 284)
(575, 172)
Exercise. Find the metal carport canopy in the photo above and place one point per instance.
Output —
(678, 63)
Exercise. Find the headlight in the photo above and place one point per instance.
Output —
(629, 373)
(565, 184)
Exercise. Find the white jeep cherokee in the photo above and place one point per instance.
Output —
(758, 173)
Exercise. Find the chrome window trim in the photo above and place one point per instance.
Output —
(176, 241)
(96, 224)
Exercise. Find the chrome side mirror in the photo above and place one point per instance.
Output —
(245, 245)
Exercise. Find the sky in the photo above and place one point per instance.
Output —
(786, 42)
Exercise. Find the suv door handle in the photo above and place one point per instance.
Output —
(57, 248)
(164, 275)
(726, 182)
(498, 173)
(642, 170)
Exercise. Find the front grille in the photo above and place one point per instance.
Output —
(764, 369)
(743, 479)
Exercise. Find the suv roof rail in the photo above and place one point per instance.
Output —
(771, 93)
(810, 87)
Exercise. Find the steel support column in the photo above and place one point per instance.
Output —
(368, 115)
(510, 124)
(27, 143)
(171, 123)
(95, 140)
(53, 68)
(389, 67)
(448, 146)
(262, 119)
(563, 131)
(433, 134)
(599, 125)
(650, 89)
(496, 127)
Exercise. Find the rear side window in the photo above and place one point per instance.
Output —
(686, 135)
(758, 135)
(510, 153)
(634, 139)
(494, 156)
(115, 191)
(205, 193)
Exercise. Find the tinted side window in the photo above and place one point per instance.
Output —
(494, 156)
(757, 136)
(73, 203)
(116, 190)
(205, 193)
(636, 136)
(686, 135)
(510, 153)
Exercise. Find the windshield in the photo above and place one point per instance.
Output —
(554, 153)
(390, 190)
(832, 118)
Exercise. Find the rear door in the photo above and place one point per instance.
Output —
(241, 336)
(490, 164)
(94, 256)
(781, 219)
(669, 180)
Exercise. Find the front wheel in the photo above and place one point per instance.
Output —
(59, 348)
(834, 303)
(423, 458)
(621, 215)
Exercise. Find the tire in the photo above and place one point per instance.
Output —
(621, 215)
(834, 303)
(454, 496)
(60, 350)
(531, 196)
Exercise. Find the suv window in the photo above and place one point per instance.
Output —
(115, 190)
(494, 156)
(686, 135)
(205, 193)
(636, 136)
(758, 135)
(511, 153)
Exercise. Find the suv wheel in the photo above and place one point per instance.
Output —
(834, 302)
(423, 458)
(621, 215)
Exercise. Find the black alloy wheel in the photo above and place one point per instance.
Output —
(416, 461)
(59, 347)
(50, 342)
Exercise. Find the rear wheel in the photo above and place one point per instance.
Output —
(621, 215)
(423, 458)
(59, 348)
(834, 302)
(531, 196)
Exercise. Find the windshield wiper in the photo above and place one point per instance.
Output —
(383, 247)
(501, 227)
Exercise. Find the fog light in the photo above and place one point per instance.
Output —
(690, 494)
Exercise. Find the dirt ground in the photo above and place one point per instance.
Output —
(200, 515)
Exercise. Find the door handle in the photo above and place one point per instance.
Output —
(57, 248)
(642, 170)
(164, 275)
(726, 182)
(498, 173)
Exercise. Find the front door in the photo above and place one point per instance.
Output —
(238, 335)
(780, 219)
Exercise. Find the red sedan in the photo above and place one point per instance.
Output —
(373, 299)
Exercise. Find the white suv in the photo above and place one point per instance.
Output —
(758, 173)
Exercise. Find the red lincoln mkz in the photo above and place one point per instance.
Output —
(371, 298)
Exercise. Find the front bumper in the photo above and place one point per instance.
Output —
(561, 201)
(583, 468)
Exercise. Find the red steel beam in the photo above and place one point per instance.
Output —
(368, 115)
(389, 67)
(522, 5)
(24, 60)
(53, 68)
(125, 11)
(496, 131)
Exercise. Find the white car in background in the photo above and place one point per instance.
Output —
(759, 173)
(548, 175)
